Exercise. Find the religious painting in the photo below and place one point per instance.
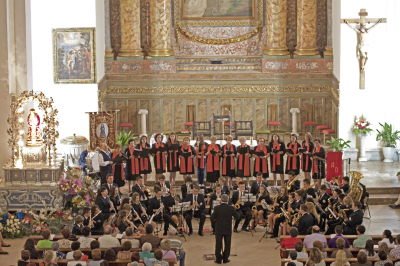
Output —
(102, 131)
(196, 13)
(102, 126)
(74, 55)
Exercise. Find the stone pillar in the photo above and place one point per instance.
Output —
(107, 31)
(363, 157)
(329, 47)
(306, 28)
(130, 30)
(276, 28)
(143, 113)
(160, 23)
(294, 112)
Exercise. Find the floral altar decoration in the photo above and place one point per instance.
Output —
(13, 227)
(361, 126)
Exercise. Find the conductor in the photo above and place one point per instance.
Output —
(222, 218)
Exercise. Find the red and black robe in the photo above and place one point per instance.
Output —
(261, 165)
(213, 164)
(276, 159)
(293, 163)
(159, 159)
(173, 160)
(318, 168)
(132, 165)
(201, 158)
(243, 163)
(144, 163)
(186, 163)
(118, 171)
(306, 162)
(228, 163)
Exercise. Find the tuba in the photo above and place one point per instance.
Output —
(356, 190)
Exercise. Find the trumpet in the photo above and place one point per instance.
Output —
(275, 201)
(311, 186)
(289, 184)
(147, 190)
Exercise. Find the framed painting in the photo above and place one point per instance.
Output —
(102, 128)
(217, 13)
(74, 53)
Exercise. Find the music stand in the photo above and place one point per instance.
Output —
(250, 199)
(180, 208)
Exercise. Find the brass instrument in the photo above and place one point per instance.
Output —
(295, 219)
(311, 186)
(285, 213)
(147, 190)
(289, 184)
(254, 208)
(333, 210)
(238, 203)
(335, 181)
(356, 190)
(275, 201)
(329, 203)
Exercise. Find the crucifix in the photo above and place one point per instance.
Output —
(362, 39)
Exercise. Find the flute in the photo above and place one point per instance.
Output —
(94, 217)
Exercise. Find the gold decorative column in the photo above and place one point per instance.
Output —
(276, 28)
(130, 29)
(306, 28)
(160, 23)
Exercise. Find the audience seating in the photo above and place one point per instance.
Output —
(351, 238)
(330, 261)
(329, 251)
(111, 263)
(58, 237)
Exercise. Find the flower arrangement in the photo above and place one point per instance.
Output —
(13, 227)
(79, 202)
(361, 126)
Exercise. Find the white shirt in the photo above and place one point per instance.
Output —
(101, 159)
(108, 241)
(195, 200)
(387, 241)
(73, 263)
(85, 241)
(298, 263)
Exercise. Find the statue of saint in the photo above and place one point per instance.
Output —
(34, 136)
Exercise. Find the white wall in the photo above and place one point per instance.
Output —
(71, 100)
(379, 101)
(100, 44)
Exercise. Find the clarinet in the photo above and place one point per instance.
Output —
(137, 215)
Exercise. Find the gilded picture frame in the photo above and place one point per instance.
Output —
(102, 128)
(218, 13)
(74, 55)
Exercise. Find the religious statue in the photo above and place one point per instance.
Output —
(34, 136)
(102, 131)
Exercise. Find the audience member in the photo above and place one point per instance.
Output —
(317, 244)
(77, 227)
(299, 249)
(177, 245)
(107, 240)
(293, 257)
(146, 251)
(85, 240)
(150, 238)
(338, 231)
(369, 249)
(109, 255)
(361, 239)
(315, 258)
(96, 255)
(167, 252)
(77, 259)
(65, 242)
(384, 247)
(341, 259)
(125, 253)
(291, 264)
(47, 259)
(387, 238)
(289, 242)
(46, 242)
(74, 246)
(315, 236)
(383, 259)
(56, 254)
(25, 256)
(158, 256)
(362, 260)
(30, 245)
(340, 243)
(395, 253)
(130, 237)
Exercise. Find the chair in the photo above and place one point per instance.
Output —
(262, 132)
(273, 116)
(309, 117)
(202, 127)
(327, 131)
(243, 128)
(366, 206)
(321, 128)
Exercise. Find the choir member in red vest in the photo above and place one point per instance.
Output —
(172, 158)
(306, 162)
(201, 160)
(213, 161)
(293, 160)
(159, 158)
(243, 160)
(145, 165)
(318, 168)
(186, 163)
(118, 169)
(276, 159)
(132, 164)
(261, 163)
(228, 161)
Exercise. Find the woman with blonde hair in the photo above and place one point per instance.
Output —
(315, 258)
(48, 257)
(243, 160)
(228, 161)
(200, 162)
(213, 156)
(341, 259)
(313, 212)
(167, 252)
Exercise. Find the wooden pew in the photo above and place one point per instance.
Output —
(330, 261)
(58, 237)
(350, 238)
(329, 251)
(111, 263)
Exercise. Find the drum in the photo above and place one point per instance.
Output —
(95, 161)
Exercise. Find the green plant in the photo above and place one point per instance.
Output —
(123, 138)
(338, 144)
(387, 135)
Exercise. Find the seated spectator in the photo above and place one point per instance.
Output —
(104, 263)
(299, 249)
(74, 246)
(47, 259)
(338, 231)
(293, 257)
(362, 260)
(150, 238)
(395, 253)
(384, 247)
(25, 256)
(177, 245)
(65, 243)
(109, 255)
(126, 251)
(77, 259)
(85, 240)
(315, 258)
(129, 236)
(107, 240)
(369, 249)
(361, 239)
(56, 254)
(289, 242)
(315, 236)
(77, 228)
(46, 242)
(30, 245)
(317, 244)
(387, 238)
(291, 264)
(96, 255)
(95, 245)
(383, 259)
(146, 251)
(158, 255)
(341, 259)
(340, 243)
(167, 252)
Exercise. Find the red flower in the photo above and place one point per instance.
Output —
(59, 213)
(359, 126)
(363, 127)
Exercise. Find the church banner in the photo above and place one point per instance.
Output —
(102, 129)
(334, 166)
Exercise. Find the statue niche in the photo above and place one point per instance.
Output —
(34, 136)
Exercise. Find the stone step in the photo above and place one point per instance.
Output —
(382, 199)
(383, 190)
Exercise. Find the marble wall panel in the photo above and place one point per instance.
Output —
(237, 109)
(271, 101)
(291, 26)
(167, 114)
(248, 110)
(155, 116)
(134, 115)
(202, 110)
(224, 102)
(109, 105)
(321, 24)
(260, 114)
(119, 105)
(180, 113)
(328, 113)
(303, 111)
(318, 111)
(190, 102)
(144, 104)
(283, 114)
(213, 108)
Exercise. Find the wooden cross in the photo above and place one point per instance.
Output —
(362, 38)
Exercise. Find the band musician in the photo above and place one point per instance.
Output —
(255, 186)
(142, 190)
(196, 210)
(109, 183)
(165, 187)
(104, 203)
(292, 185)
(224, 189)
(105, 162)
(187, 187)
(97, 219)
(243, 210)
(356, 218)
(170, 200)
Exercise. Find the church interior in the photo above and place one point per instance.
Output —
(271, 95)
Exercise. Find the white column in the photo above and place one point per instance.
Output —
(143, 113)
(362, 158)
(294, 112)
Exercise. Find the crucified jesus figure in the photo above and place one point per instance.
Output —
(362, 42)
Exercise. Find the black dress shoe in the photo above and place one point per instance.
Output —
(218, 262)
(394, 206)
(227, 261)
(201, 234)
(235, 230)
(245, 229)
(165, 234)
(190, 233)
(272, 236)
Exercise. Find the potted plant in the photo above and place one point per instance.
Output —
(338, 144)
(389, 138)
(123, 138)
(362, 129)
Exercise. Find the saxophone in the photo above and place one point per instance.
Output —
(275, 201)
(255, 204)
(285, 213)
(289, 184)
(237, 205)
(329, 203)
(333, 210)
(296, 219)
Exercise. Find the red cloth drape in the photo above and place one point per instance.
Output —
(315, 167)
(144, 162)
(134, 164)
(113, 166)
(183, 162)
(264, 161)
(196, 163)
(276, 157)
(159, 156)
(246, 163)
(292, 160)
(224, 161)
(210, 158)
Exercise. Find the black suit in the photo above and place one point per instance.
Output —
(77, 230)
(167, 185)
(104, 206)
(154, 204)
(323, 201)
(98, 222)
(214, 197)
(108, 188)
(144, 195)
(199, 213)
(295, 186)
(225, 190)
(222, 219)
(305, 222)
(243, 211)
(184, 190)
(346, 188)
(309, 192)
(255, 187)
(356, 218)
